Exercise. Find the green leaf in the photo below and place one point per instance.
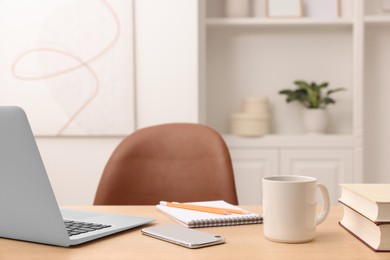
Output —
(328, 101)
(286, 91)
(302, 84)
(323, 85)
(334, 90)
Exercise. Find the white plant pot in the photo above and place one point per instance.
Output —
(315, 120)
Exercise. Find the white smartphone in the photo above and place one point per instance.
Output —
(183, 236)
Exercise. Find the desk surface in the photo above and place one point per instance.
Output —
(242, 242)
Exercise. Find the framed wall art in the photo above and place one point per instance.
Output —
(69, 65)
(321, 8)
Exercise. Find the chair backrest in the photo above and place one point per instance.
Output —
(181, 162)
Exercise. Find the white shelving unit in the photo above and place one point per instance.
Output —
(377, 19)
(376, 92)
(258, 56)
(209, 63)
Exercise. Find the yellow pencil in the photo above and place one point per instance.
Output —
(223, 211)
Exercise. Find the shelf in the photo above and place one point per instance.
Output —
(377, 19)
(264, 22)
(292, 141)
(248, 61)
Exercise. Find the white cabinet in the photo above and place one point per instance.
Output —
(330, 161)
(250, 166)
(330, 167)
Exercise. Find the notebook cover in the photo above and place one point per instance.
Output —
(196, 219)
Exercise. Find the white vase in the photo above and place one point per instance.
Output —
(237, 8)
(315, 120)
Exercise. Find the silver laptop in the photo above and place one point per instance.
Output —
(28, 208)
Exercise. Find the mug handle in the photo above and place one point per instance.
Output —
(325, 208)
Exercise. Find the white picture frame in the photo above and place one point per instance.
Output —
(284, 8)
(322, 8)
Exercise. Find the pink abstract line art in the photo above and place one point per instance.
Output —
(80, 64)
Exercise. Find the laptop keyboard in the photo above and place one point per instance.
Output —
(77, 227)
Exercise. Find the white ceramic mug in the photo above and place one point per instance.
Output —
(290, 208)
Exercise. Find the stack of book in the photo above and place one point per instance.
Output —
(367, 213)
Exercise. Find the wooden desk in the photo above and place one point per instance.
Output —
(242, 242)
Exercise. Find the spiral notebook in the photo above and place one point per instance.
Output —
(197, 219)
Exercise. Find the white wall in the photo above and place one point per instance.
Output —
(74, 166)
(166, 61)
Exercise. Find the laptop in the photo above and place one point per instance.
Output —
(28, 207)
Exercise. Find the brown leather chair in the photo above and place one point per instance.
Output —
(180, 162)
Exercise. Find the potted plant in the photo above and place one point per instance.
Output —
(311, 96)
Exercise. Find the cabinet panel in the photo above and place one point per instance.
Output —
(250, 166)
(330, 167)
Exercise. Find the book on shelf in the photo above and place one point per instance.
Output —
(375, 235)
(369, 199)
(195, 219)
